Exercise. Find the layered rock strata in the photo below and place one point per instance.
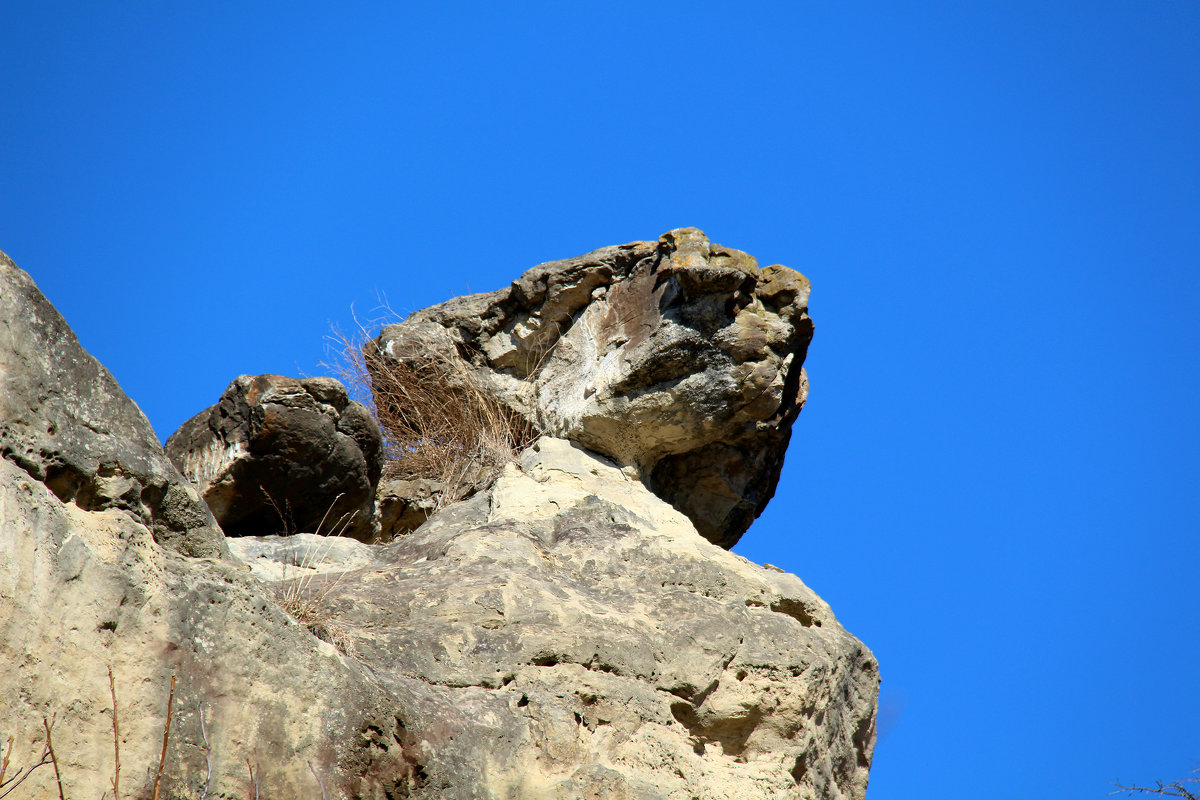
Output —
(680, 359)
(281, 455)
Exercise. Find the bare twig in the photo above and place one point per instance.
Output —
(253, 780)
(116, 781)
(53, 760)
(162, 759)
(4, 762)
(207, 755)
(320, 782)
(1173, 789)
(21, 774)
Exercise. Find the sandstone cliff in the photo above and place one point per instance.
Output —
(565, 632)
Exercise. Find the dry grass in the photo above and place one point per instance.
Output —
(298, 597)
(438, 421)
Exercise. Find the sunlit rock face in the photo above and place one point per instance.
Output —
(597, 645)
(679, 359)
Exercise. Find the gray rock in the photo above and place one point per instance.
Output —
(67, 424)
(404, 505)
(680, 359)
(278, 454)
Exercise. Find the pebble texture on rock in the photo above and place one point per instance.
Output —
(281, 455)
(680, 359)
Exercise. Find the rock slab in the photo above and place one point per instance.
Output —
(601, 647)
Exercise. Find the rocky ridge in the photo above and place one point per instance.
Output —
(565, 632)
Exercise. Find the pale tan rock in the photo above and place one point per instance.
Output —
(81, 591)
(604, 649)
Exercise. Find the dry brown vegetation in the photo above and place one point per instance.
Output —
(438, 422)
(298, 596)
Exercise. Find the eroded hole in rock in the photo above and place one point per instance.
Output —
(524, 701)
(796, 610)
(65, 482)
(730, 732)
(800, 768)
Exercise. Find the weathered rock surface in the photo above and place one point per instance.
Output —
(679, 359)
(83, 590)
(67, 424)
(564, 633)
(404, 505)
(605, 649)
(281, 455)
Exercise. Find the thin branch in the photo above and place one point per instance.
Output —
(53, 760)
(207, 755)
(253, 780)
(4, 763)
(162, 760)
(21, 774)
(116, 781)
(1173, 789)
(320, 782)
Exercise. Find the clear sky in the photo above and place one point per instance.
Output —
(995, 482)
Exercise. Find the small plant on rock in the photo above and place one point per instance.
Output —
(298, 597)
(439, 423)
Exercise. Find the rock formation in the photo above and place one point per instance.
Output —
(679, 359)
(564, 633)
(66, 423)
(280, 455)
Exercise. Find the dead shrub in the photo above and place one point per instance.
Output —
(439, 423)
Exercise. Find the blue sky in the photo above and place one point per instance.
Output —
(995, 481)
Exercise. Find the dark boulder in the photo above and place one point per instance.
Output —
(282, 455)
